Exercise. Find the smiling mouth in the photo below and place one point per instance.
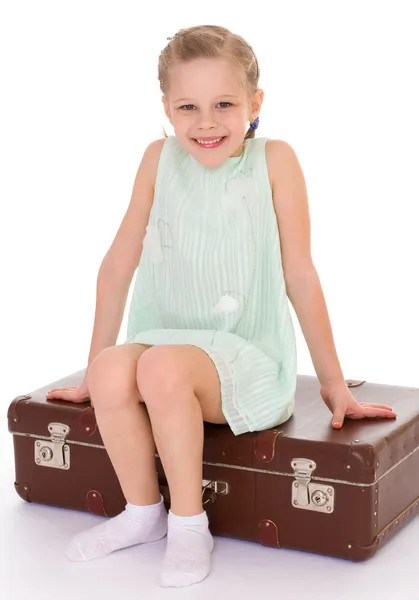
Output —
(212, 142)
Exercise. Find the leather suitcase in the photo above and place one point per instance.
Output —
(302, 485)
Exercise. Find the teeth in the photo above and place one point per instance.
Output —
(207, 143)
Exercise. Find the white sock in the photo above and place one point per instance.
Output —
(135, 525)
(188, 553)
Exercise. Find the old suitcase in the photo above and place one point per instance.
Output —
(302, 485)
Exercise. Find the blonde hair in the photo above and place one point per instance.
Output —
(210, 41)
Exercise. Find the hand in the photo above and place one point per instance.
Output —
(76, 394)
(342, 403)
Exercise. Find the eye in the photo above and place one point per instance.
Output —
(225, 104)
(187, 107)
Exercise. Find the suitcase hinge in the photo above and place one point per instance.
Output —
(54, 453)
(309, 495)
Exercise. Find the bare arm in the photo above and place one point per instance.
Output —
(302, 282)
(121, 260)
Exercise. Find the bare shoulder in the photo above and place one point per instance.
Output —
(280, 158)
(151, 157)
(290, 201)
(125, 251)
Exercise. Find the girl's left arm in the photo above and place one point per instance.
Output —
(303, 285)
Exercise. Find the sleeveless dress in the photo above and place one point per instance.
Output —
(211, 275)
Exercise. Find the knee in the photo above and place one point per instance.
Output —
(111, 378)
(162, 376)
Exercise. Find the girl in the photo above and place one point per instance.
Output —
(218, 227)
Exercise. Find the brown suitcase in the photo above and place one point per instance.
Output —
(302, 485)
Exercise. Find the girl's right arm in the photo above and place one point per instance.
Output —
(118, 266)
(121, 260)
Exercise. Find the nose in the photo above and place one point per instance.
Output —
(207, 120)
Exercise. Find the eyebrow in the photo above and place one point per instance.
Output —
(218, 97)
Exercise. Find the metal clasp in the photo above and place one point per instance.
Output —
(215, 487)
(309, 495)
(302, 473)
(54, 453)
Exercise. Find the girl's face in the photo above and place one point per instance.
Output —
(209, 109)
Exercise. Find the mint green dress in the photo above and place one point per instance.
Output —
(211, 275)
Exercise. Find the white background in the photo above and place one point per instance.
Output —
(80, 102)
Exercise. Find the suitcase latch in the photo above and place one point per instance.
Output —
(214, 488)
(210, 490)
(55, 452)
(307, 494)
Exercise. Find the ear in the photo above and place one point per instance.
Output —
(167, 109)
(256, 104)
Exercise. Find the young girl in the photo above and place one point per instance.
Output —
(218, 227)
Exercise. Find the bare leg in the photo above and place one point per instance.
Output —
(125, 429)
(124, 423)
(181, 388)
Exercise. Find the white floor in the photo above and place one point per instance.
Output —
(33, 539)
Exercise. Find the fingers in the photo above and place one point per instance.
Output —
(72, 394)
(373, 411)
(59, 392)
(62, 394)
(338, 417)
(363, 410)
(370, 405)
